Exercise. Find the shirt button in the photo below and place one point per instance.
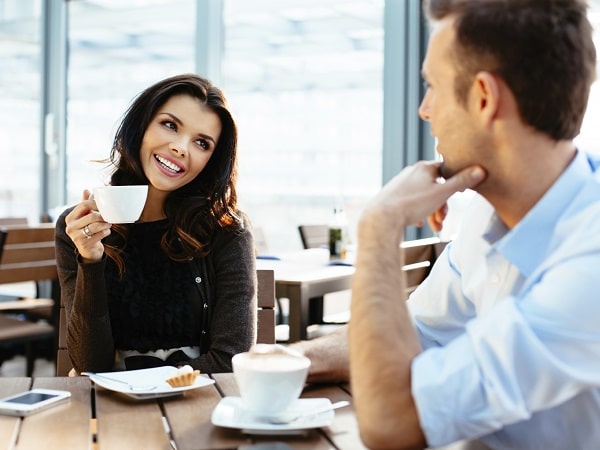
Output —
(495, 278)
(205, 305)
(198, 280)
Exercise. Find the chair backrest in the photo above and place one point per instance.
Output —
(3, 233)
(265, 320)
(314, 236)
(28, 255)
(13, 221)
(266, 306)
(419, 256)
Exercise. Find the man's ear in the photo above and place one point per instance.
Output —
(486, 96)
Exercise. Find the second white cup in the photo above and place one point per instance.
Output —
(269, 379)
(120, 204)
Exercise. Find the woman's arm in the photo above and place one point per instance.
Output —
(89, 338)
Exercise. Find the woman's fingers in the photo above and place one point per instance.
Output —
(436, 219)
(86, 228)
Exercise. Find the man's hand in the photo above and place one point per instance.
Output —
(382, 339)
(418, 193)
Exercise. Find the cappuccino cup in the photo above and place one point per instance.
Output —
(120, 204)
(270, 378)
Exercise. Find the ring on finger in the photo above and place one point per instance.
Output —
(86, 230)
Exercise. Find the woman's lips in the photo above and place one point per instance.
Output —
(167, 166)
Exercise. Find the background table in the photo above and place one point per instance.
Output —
(299, 282)
(96, 418)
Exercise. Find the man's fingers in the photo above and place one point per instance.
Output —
(465, 179)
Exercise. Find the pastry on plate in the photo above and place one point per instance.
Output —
(185, 376)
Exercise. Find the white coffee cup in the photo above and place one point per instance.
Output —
(270, 378)
(120, 204)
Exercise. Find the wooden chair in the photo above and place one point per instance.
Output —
(314, 236)
(419, 256)
(265, 320)
(13, 221)
(3, 234)
(28, 255)
(266, 306)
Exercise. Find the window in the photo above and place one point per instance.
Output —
(110, 62)
(589, 137)
(304, 80)
(20, 108)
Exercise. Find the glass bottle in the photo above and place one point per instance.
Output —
(338, 230)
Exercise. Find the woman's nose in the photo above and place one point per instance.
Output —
(179, 148)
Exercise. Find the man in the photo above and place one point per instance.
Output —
(501, 343)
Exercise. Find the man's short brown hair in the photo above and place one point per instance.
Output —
(542, 49)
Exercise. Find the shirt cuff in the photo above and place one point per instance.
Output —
(445, 387)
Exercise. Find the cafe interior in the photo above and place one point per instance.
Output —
(324, 94)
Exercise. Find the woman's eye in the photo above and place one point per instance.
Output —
(170, 124)
(203, 143)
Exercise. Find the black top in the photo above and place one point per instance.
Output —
(209, 302)
(154, 305)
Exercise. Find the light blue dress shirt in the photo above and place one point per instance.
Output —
(510, 325)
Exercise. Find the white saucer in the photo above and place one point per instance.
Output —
(155, 376)
(231, 413)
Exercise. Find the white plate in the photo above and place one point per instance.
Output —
(143, 380)
(231, 413)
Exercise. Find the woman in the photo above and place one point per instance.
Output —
(179, 285)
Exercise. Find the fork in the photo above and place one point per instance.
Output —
(132, 387)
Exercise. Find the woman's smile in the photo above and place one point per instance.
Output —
(168, 167)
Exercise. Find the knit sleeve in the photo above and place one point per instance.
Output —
(83, 294)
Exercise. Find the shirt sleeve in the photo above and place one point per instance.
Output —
(530, 352)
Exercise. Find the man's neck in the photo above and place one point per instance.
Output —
(525, 176)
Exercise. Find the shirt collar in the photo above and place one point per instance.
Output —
(525, 245)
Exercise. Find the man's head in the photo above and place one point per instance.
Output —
(542, 49)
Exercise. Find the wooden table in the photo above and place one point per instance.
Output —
(301, 282)
(96, 418)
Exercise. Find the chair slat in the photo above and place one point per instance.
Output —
(28, 255)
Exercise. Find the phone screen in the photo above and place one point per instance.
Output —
(30, 398)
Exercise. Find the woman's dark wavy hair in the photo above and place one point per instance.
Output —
(542, 49)
(194, 211)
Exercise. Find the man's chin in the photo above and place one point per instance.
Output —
(445, 171)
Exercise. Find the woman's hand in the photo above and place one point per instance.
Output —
(86, 228)
(436, 220)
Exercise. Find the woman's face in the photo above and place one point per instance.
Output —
(179, 142)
